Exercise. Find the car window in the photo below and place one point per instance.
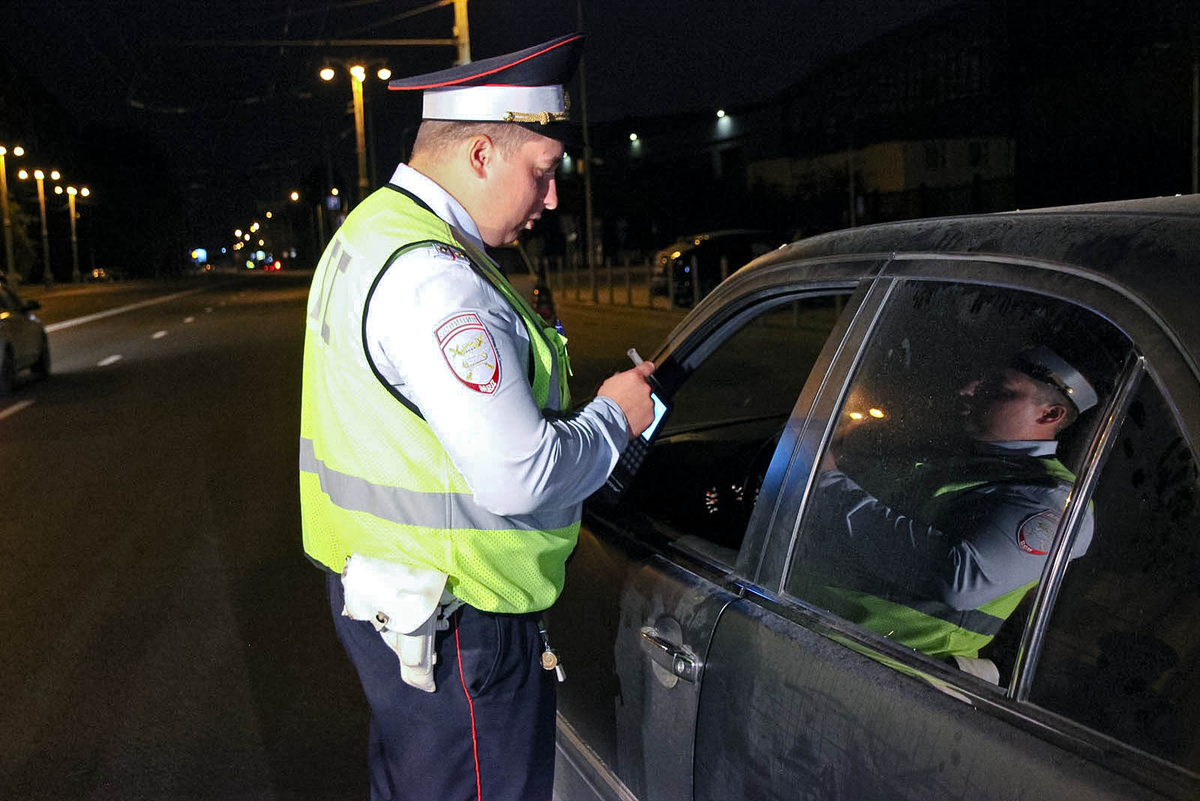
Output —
(951, 461)
(702, 474)
(1122, 648)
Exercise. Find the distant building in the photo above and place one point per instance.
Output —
(988, 105)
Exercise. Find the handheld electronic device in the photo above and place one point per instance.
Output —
(635, 453)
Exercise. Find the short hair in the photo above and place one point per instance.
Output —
(435, 137)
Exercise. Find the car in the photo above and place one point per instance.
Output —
(23, 341)
(715, 255)
(98, 274)
(703, 657)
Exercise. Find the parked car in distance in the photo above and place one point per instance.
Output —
(720, 622)
(516, 266)
(671, 267)
(23, 341)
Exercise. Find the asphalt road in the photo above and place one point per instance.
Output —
(164, 635)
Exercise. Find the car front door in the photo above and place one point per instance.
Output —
(806, 699)
(654, 571)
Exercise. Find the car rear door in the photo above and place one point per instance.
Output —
(653, 573)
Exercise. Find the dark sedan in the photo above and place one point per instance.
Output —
(690, 268)
(738, 618)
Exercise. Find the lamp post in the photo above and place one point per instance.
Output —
(358, 75)
(10, 263)
(40, 177)
(71, 192)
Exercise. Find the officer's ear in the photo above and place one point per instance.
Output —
(1053, 414)
(481, 151)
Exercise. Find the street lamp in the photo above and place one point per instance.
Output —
(40, 177)
(9, 262)
(71, 192)
(358, 73)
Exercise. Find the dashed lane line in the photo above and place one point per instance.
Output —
(87, 318)
(158, 335)
(8, 411)
(106, 361)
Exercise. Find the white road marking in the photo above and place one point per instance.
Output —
(106, 361)
(158, 335)
(87, 318)
(208, 309)
(189, 319)
(16, 407)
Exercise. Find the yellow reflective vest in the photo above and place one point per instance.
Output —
(373, 477)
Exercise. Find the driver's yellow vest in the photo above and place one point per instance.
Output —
(929, 626)
(373, 477)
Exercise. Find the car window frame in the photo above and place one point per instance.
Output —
(720, 315)
(1156, 355)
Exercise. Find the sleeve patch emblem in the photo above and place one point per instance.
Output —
(1037, 533)
(468, 349)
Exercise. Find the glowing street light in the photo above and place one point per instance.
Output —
(358, 73)
(9, 261)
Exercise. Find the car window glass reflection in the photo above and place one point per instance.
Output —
(1122, 648)
(703, 472)
(951, 464)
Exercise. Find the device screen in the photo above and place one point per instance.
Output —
(660, 409)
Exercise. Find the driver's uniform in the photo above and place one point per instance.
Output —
(943, 566)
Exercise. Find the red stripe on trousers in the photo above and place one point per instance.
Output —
(471, 706)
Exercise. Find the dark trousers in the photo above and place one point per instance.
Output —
(486, 734)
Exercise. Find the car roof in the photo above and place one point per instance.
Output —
(1150, 247)
(728, 232)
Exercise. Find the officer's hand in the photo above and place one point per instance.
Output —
(631, 392)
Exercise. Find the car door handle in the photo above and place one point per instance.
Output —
(669, 655)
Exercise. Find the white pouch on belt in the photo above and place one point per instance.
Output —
(402, 602)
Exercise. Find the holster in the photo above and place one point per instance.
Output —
(406, 605)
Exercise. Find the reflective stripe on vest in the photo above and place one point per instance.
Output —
(930, 627)
(425, 509)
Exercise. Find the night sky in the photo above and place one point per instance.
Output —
(239, 123)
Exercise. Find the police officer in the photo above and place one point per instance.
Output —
(944, 566)
(441, 470)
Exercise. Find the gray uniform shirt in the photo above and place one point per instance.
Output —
(987, 542)
(516, 458)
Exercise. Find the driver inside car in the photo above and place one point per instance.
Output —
(944, 563)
